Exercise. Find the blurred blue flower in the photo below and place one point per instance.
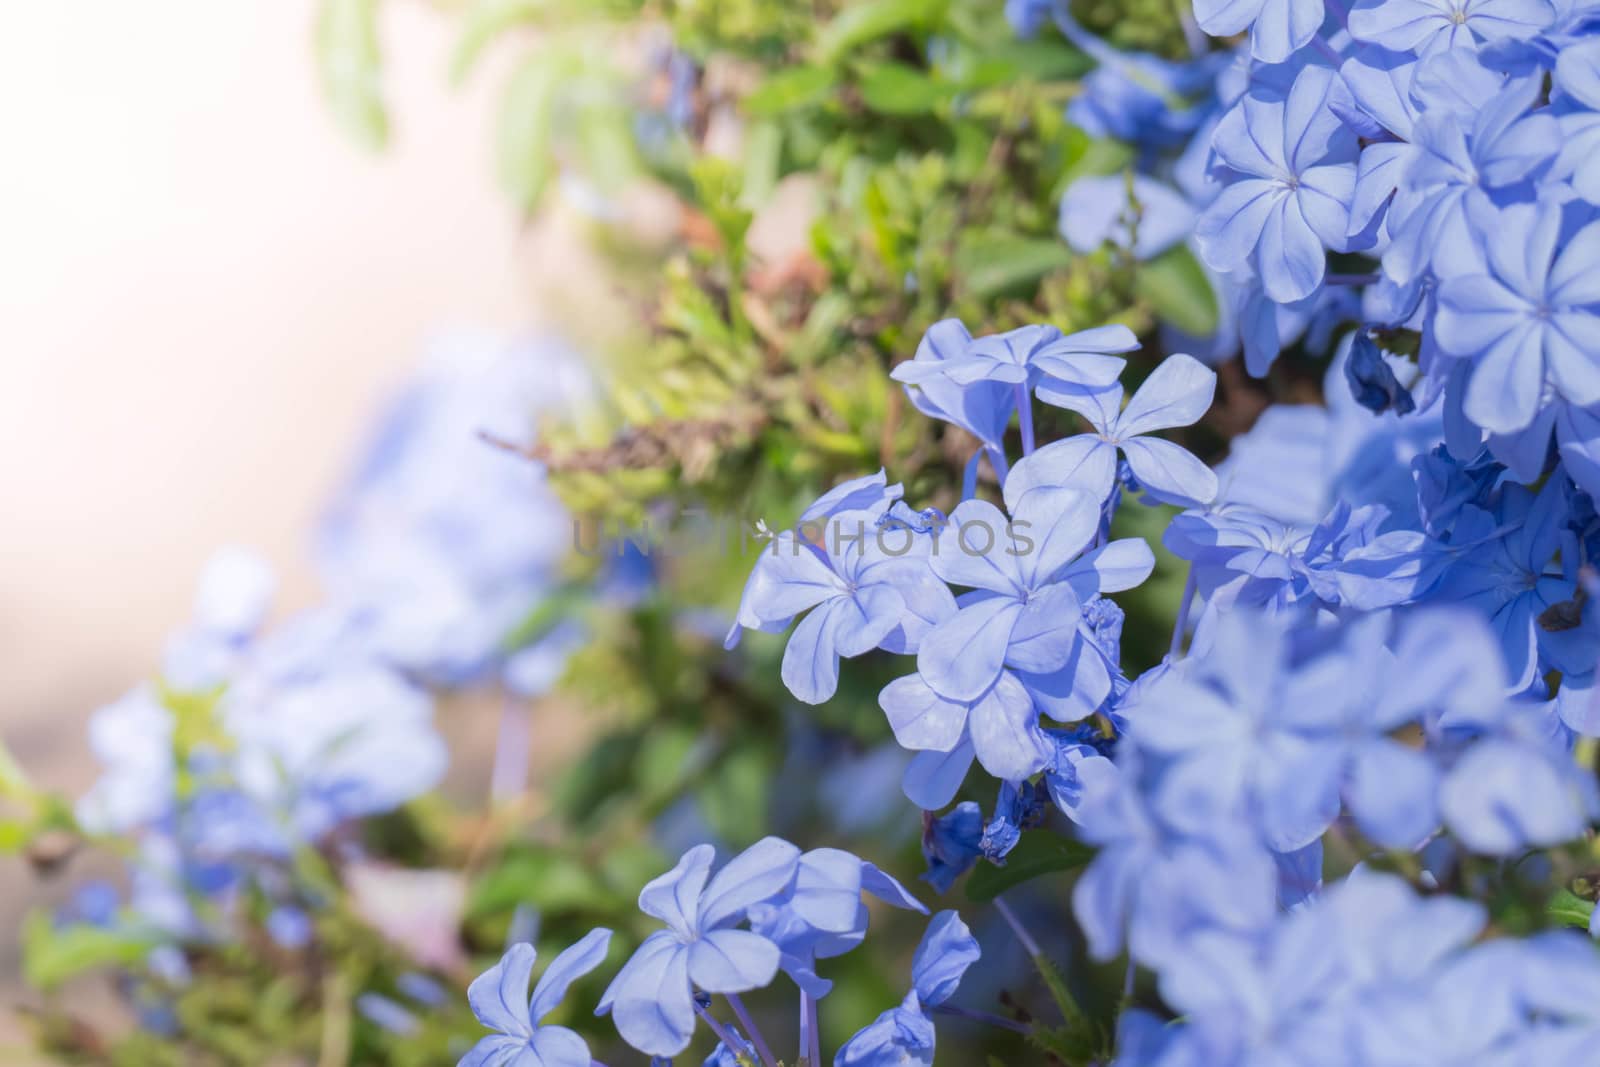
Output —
(1099, 210)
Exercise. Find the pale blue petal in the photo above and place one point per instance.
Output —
(732, 961)
(810, 666)
(1005, 733)
(920, 718)
(674, 897)
(1059, 522)
(1391, 793)
(757, 874)
(567, 968)
(1083, 462)
(946, 951)
(1169, 473)
(1177, 393)
(556, 1046)
(499, 996)
(883, 886)
(650, 1000)
(932, 779)
(961, 657)
(976, 549)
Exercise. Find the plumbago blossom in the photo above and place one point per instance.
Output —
(1391, 651)
(1329, 822)
(262, 739)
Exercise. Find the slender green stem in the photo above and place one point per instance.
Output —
(1053, 981)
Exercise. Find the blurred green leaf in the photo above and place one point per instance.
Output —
(526, 127)
(989, 266)
(349, 62)
(789, 90)
(52, 954)
(898, 89)
(733, 797)
(1038, 853)
(544, 877)
(763, 154)
(1178, 291)
(865, 22)
(485, 21)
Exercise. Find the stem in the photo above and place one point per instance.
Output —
(997, 460)
(1025, 416)
(1065, 1002)
(1029, 945)
(510, 774)
(1351, 279)
(1338, 10)
(969, 478)
(719, 1030)
(811, 1040)
(750, 1027)
(987, 1018)
(1181, 626)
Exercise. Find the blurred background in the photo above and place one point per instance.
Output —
(204, 286)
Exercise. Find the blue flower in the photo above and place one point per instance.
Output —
(951, 844)
(982, 408)
(865, 585)
(497, 999)
(1029, 586)
(1506, 573)
(1177, 393)
(904, 1035)
(652, 997)
(1430, 26)
(1372, 380)
(1025, 356)
(1293, 170)
(1278, 28)
(1098, 210)
(1530, 315)
(1151, 883)
(823, 915)
(1463, 162)
(1027, 16)
(440, 539)
(1508, 794)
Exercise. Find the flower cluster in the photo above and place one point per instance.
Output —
(771, 908)
(258, 740)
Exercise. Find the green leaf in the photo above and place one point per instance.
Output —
(898, 89)
(543, 877)
(733, 796)
(862, 23)
(989, 266)
(51, 954)
(1568, 909)
(792, 89)
(1178, 291)
(349, 62)
(485, 21)
(1038, 853)
(763, 156)
(527, 117)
